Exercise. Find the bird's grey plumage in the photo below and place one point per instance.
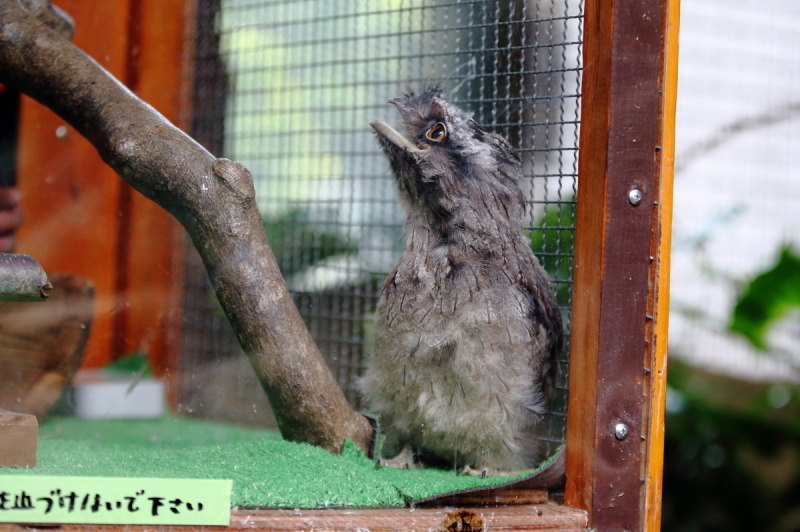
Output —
(467, 330)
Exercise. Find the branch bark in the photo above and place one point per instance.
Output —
(212, 198)
(22, 279)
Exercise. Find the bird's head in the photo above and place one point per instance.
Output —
(449, 163)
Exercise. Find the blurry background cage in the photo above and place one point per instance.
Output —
(289, 88)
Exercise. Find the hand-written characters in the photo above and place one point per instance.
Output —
(93, 502)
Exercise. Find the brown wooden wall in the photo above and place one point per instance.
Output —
(81, 218)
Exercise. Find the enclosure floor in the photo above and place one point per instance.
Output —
(267, 472)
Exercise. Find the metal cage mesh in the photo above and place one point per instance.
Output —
(288, 88)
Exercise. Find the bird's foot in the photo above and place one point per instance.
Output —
(484, 472)
(479, 472)
(404, 460)
(551, 475)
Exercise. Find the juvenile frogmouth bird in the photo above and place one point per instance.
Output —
(467, 330)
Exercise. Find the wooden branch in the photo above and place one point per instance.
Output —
(213, 199)
(51, 16)
(22, 279)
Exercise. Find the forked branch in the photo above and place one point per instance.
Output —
(212, 198)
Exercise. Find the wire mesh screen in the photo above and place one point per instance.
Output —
(288, 88)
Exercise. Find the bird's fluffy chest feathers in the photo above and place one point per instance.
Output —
(452, 371)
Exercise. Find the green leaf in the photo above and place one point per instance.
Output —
(135, 364)
(766, 298)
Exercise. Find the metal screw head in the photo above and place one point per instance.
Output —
(621, 431)
(635, 196)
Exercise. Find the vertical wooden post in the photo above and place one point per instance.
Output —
(658, 383)
(153, 293)
(620, 301)
(70, 196)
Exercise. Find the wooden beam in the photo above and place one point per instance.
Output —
(539, 517)
(82, 219)
(617, 371)
(658, 375)
(152, 255)
(18, 438)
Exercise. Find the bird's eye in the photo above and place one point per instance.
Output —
(437, 133)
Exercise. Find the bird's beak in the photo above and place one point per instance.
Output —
(390, 135)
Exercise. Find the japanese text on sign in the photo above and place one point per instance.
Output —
(27, 499)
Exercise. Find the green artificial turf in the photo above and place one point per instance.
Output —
(266, 470)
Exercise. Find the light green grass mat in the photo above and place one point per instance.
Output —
(266, 470)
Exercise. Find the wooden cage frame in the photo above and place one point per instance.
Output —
(621, 283)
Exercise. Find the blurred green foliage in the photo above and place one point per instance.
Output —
(299, 243)
(130, 365)
(553, 243)
(766, 298)
(730, 470)
(737, 468)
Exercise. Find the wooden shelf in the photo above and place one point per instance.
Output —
(539, 517)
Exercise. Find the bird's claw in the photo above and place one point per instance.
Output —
(484, 472)
(480, 472)
(404, 460)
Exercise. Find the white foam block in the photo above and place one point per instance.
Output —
(101, 397)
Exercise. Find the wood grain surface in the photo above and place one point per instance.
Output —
(540, 517)
(18, 439)
(42, 345)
